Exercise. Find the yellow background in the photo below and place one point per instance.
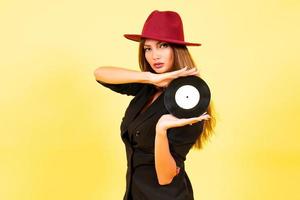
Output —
(59, 129)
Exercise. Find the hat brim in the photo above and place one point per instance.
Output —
(137, 38)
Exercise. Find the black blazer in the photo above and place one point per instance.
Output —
(138, 135)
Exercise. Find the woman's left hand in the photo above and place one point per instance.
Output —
(170, 121)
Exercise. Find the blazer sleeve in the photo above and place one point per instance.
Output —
(181, 139)
(125, 88)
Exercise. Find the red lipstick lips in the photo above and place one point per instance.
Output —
(158, 65)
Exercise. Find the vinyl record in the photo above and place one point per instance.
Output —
(187, 97)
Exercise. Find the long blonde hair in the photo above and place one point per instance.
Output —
(182, 58)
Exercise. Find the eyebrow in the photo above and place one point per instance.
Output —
(150, 45)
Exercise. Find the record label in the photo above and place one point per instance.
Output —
(187, 96)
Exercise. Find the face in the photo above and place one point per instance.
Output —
(159, 55)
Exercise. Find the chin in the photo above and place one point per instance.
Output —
(162, 70)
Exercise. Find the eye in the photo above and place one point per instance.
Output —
(145, 49)
(164, 45)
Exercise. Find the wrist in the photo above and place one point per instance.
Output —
(147, 77)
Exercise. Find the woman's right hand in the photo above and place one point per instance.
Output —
(163, 79)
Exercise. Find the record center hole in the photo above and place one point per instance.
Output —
(187, 96)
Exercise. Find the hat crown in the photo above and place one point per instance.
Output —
(164, 24)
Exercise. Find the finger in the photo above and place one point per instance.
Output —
(204, 117)
(191, 74)
(182, 69)
(174, 74)
(190, 121)
(195, 72)
(192, 71)
(182, 72)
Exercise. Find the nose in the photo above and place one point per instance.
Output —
(155, 54)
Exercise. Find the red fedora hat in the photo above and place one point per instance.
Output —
(163, 26)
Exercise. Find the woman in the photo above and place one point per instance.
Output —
(157, 142)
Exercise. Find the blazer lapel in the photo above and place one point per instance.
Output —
(155, 107)
(134, 110)
(138, 118)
